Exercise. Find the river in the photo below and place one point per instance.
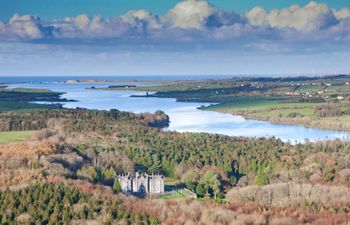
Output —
(185, 117)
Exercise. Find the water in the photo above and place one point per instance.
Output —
(185, 117)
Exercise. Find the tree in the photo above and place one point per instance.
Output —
(191, 179)
(210, 181)
(200, 190)
(156, 164)
(109, 174)
(264, 174)
(168, 168)
(190, 185)
(116, 186)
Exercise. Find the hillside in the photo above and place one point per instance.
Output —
(88, 147)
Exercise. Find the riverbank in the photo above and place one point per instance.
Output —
(318, 102)
(329, 123)
(185, 116)
(17, 99)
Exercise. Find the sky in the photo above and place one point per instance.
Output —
(169, 37)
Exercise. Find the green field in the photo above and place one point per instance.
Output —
(265, 107)
(310, 89)
(171, 196)
(25, 106)
(14, 136)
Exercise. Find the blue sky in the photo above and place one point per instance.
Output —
(168, 37)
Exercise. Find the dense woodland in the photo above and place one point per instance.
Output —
(53, 204)
(253, 175)
(96, 145)
(38, 119)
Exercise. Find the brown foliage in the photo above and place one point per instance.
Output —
(23, 149)
(292, 194)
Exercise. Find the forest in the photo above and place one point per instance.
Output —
(108, 142)
(90, 147)
(57, 204)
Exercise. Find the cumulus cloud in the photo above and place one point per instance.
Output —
(141, 18)
(198, 15)
(24, 27)
(84, 27)
(190, 14)
(192, 21)
(342, 13)
(312, 16)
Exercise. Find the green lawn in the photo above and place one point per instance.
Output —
(310, 89)
(171, 196)
(240, 103)
(176, 194)
(24, 106)
(263, 107)
(13, 136)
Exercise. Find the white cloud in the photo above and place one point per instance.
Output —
(342, 13)
(190, 14)
(26, 26)
(85, 27)
(192, 21)
(137, 18)
(312, 16)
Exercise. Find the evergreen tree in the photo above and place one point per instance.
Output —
(156, 164)
(190, 185)
(200, 191)
(210, 181)
(261, 178)
(109, 173)
(116, 186)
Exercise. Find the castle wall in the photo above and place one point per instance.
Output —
(141, 183)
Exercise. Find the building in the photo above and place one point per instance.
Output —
(141, 183)
(340, 97)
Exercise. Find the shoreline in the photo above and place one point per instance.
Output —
(277, 121)
(280, 120)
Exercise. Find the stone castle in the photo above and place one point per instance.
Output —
(141, 183)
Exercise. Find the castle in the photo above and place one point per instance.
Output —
(141, 183)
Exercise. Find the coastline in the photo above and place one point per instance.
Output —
(286, 121)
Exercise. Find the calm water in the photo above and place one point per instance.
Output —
(185, 116)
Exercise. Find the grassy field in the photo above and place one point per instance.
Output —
(320, 102)
(14, 136)
(21, 99)
(171, 196)
(310, 89)
(265, 106)
(280, 111)
(24, 106)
